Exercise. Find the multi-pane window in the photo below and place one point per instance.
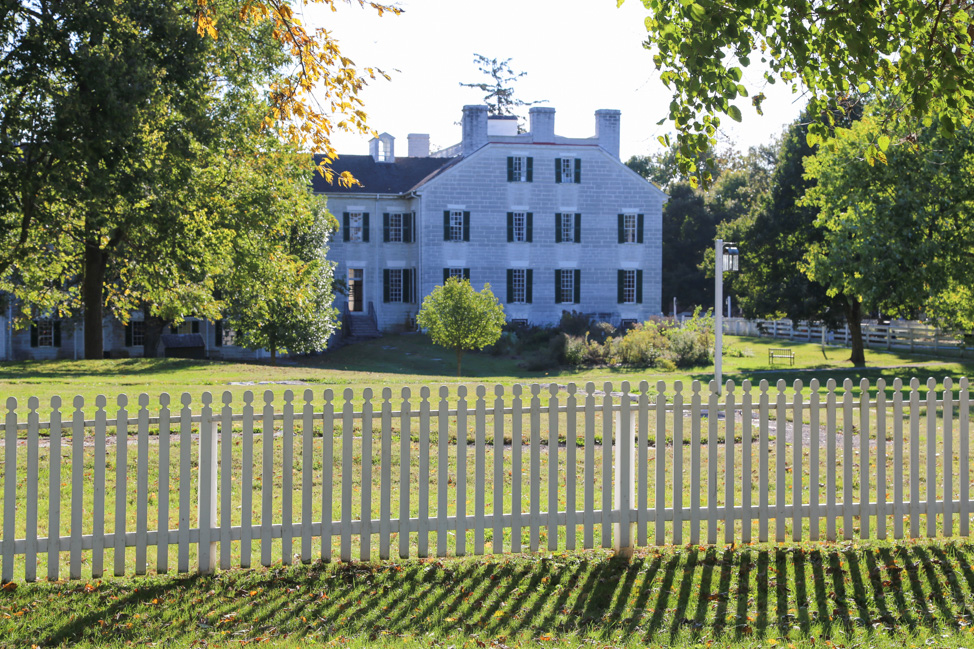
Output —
(456, 225)
(566, 287)
(520, 169)
(519, 284)
(228, 337)
(138, 332)
(520, 225)
(45, 333)
(567, 225)
(567, 170)
(629, 228)
(395, 285)
(629, 287)
(460, 273)
(395, 228)
(356, 226)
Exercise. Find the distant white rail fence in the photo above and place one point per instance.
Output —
(894, 462)
(901, 336)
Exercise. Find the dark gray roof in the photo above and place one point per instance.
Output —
(379, 177)
(182, 340)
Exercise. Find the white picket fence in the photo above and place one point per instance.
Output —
(509, 470)
(899, 336)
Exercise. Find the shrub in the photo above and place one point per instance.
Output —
(574, 349)
(692, 344)
(603, 331)
(643, 345)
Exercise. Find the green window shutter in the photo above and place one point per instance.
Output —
(578, 286)
(557, 286)
(195, 327)
(407, 227)
(578, 170)
(365, 227)
(578, 228)
(510, 169)
(218, 334)
(510, 288)
(34, 333)
(57, 333)
(639, 287)
(446, 274)
(407, 285)
(345, 226)
(466, 226)
(557, 170)
(466, 274)
(510, 227)
(446, 225)
(529, 284)
(557, 228)
(621, 283)
(385, 227)
(639, 228)
(530, 168)
(530, 227)
(385, 284)
(128, 334)
(622, 228)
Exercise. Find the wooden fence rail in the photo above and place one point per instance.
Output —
(500, 470)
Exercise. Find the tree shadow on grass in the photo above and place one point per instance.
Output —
(667, 595)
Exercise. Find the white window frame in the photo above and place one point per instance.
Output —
(567, 227)
(229, 337)
(629, 287)
(520, 227)
(629, 228)
(455, 272)
(519, 286)
(395, 285)
(356, 226)
(566, 285)
(519, 169)
(568, 170)
(396, 227)
(456, 225)
(45, 332)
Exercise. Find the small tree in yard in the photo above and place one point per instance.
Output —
(458, 317)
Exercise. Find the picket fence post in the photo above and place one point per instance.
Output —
(625, 472)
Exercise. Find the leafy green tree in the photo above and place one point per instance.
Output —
(460, 318)
(913, 52)
(895, 237)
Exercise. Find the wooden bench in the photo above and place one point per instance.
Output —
(778, 352)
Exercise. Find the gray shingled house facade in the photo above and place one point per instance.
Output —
(551, 223)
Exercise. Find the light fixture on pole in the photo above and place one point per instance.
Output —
(725, 259)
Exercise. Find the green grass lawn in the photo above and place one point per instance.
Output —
(901, 594)
(851, 595)
(411, 361)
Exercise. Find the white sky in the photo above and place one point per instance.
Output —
(579, 55)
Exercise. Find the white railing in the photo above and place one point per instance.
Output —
(899, 336)
(509, 470)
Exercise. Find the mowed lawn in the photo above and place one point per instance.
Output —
(886, 594)
(411, 361)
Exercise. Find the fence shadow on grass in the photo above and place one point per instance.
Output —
(676, 594)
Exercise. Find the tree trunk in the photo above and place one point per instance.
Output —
(92, 292)
(459, 355)
(273, 355)
(854, 319)
(154, 326)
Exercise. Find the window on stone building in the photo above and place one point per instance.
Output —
(355, 226)
(630, 228)
(568, 170)
(630, 287)
(520, 226)
(397, 227)
(456, 225)
(397, 285)
(520, 169)
(567, 286)
(519, 289)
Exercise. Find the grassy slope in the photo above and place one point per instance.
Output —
(877, 594)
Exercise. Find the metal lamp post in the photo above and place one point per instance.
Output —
(725, 259)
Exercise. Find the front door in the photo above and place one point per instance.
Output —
(356, 287)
